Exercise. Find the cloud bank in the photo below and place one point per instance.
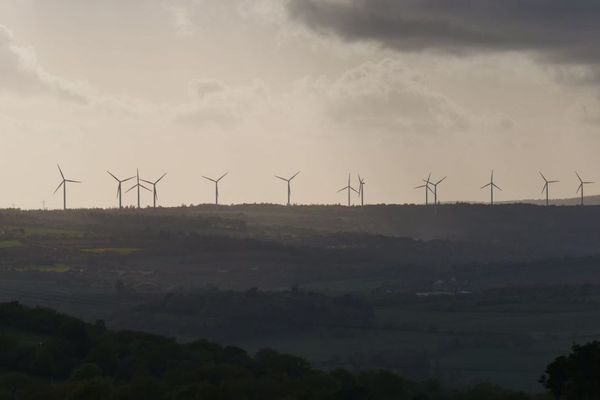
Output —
(20, 72)
(561, 30)
(385, 97)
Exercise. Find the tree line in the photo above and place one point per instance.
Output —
(47, 355)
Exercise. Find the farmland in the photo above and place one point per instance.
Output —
(464, 293)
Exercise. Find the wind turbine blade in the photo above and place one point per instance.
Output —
(543, 177)
(210, 179)
(222, 176)
(577, 173)
(544, 187)
(71, 181)
(60, 170)
(295, 175)
(148, 182)
(579, 187)
(131, 188)
(430, 189)
(117, 179)
(58, 187)
(440, 181)
(484, 186)
(356, 191)
(342, 189)
(276, 176)
(421, 187)
(553, 181)
(128, 179)
(588, 183)
(497, 187)
(144, 187)
(492, 179)
(159, 179)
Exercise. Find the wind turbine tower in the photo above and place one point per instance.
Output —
(139, 186)
(63, 183)
(216, 182)
(492, 186)
(361, 190)
(546, 188)
(582, 184)
(435, 187)
(120, 182)
(289, 187)
(427, 188)
(154, 192)
(349, 188)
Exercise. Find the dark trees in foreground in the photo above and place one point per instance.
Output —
(47, 355)
(575, 376)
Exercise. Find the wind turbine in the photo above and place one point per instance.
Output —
(348, 188)
(426, 187)
(63, 183)
(546, 188)
(582, 184)
(154, 192)
(435, 185)
(119, 192)
(492, 186)
(361, 190)
(216, 181)
(289, 188)
(138, 185)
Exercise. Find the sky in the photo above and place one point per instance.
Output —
(391, 90)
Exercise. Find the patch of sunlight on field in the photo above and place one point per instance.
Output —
(9, 244)
(122, 251)
(56, 268)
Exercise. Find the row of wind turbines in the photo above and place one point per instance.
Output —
(432, 187)
(429, 186)
(139, 185)
(120, 182)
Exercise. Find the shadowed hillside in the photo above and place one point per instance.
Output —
(423, 291)
(573, 201)
(48, 355)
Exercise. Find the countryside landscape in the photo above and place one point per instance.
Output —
(464, 294)
(299, 200)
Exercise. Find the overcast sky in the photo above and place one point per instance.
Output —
(388, 89)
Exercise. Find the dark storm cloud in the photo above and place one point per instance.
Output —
(562, 30)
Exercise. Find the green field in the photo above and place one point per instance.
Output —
(9, 244)
(58, 268)
(29, 231)
(122, 251)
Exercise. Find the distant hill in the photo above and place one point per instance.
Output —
(572, 201)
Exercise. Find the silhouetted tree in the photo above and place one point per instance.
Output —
(576, 376)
